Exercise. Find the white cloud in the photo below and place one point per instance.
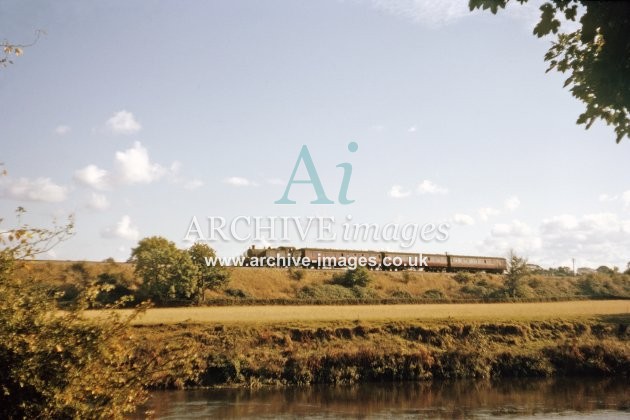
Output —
(624, 197)
(124, 229)
(275, 181)
(512, 203)
(592, 239)
(62, 130)
(412, 129)
(606, 197)
(564, 222)
(429, 12)
(177, 179)
(93, 176)
(238, 181)
(133, 166)
(39, 189)
(98, 202)
(193, 184)
(516, 228)
(486, 212)
(398, 191)
(123, 122)
(437, 13)
(428, 187)
(463, 219)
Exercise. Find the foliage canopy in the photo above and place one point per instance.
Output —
(596, 55)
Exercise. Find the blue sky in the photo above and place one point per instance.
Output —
(136, 116)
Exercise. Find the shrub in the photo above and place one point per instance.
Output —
(112, 289)
(296, 273)
(67, 292)
(237, 293)
(361, 277)
(463, 278)
(604, 270)
(401, 294)
(433, 294)
(364, 293)
(326, 292)
(63, 366)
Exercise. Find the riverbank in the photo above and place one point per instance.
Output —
(303, 352)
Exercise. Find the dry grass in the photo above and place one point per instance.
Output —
(277, 283)
(469, 311)
(72, 272)
(283, 284)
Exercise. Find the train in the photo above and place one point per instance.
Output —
(376, 260)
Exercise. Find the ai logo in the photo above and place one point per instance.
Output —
(313, 179)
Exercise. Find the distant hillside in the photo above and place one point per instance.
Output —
(316, 285)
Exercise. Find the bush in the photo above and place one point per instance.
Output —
(599, 285)
(67, 292)
(326, 292)
(433, 294)
(401, 294)
(63, 366)
(602, 269)
(296, 273)
(480, 289)
(361, 277)
(237, 293)
(113, 289)
(79, 267)
(364, 293)
(463, 278)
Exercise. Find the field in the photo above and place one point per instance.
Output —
(317, 313)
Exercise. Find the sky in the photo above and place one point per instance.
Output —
(135, 117)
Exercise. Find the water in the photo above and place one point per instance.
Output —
(568, 398)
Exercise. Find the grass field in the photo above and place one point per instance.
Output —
(297, 313)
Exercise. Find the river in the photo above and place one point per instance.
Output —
(569, 398)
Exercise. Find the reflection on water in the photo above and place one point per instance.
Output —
(577, 397)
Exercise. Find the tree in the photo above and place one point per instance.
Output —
(210, 276)
(603, 269)
(517, 270)
(596, 56)
(167, 272)
(59, 364)
(9, 50)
